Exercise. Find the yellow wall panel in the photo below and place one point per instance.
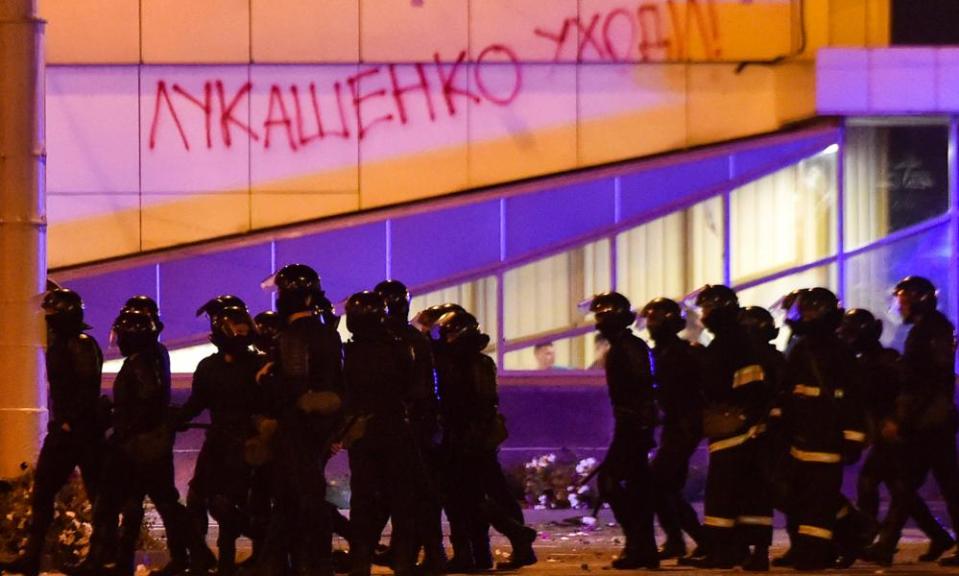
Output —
(627, 111)
(421, 176)
(751, 31)
(91, 227)
(413, 30)
(723, 104)
(196, 31)
(277, 208)
(305, 30)
(795, 91)
(529, 27)
(169, 220)
(91, 31)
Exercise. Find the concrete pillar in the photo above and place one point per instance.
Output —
(22, 234)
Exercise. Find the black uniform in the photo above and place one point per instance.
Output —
(308, 361)
(823, 422)
(384, 463)
(74, 434)
(679, 393)
(738, 508)
(625, 479)
(224, 384)
(140, 461)
(478, 494)
(880, 379)
(926, 417)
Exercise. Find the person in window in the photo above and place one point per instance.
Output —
(925, 418)
(74, 431)
(545, 355)
(625, 479)
(679, 394)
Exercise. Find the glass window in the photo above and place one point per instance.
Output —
(543, 295)
(479, 297)
(785, 219)
(581, 352)
(896, 176)
(871, 276)
(769, 293)
(673, 255)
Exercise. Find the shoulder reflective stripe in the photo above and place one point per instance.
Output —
(839, 393)
(736, 440)
(820, 457)
(815, 532)
(747, 375)
(776, 412)
(843, 512)
(803, 390)
(755, 520)
(717, 522)
(854, 435)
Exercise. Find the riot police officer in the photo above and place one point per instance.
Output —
(225, 384)
(379, 386)
(625, 479)
(74, 433)
(925, 416)
(823, 423)
(424, 418)
(739, 394)
(308, 383)
(473, 431)
(679, 393)
(140, 454)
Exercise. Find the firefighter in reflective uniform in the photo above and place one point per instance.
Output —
(225, 384)
(473, 430)
(424, 419)
(738, 511)
(74, 432)
(307, 382)
(625, 479)
(925, 418)
(823, 423)
(384, 472)
(679, 393)
(883, 464)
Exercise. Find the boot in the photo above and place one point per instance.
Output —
(758, 560)
(673, 547)
(630, 560)
(462, 560)
(434, 559)
(523, 554)
(936, 549)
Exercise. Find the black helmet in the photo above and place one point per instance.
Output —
(663, 316)
(64, 310)
(134, 330)
(719, 306)
(298, 289)
(814, 309)
(397, 297)
(425, 319)
(146, 304)
(231, 329)
(759, 323)
(268, 327)
(365, 311)
(859, 329)
(915, 296)
(611, 310)
(458, 327)
(215, 304)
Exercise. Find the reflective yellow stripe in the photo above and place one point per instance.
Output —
(853, 435)
(843, 512)
(755, 520)
(747, 375)
(815, 532)
(820, 457)
(776, 412)
(737, 440)
(717, 522)
(803, 390)
(839, 393)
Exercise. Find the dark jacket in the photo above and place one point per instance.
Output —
(141, 404)
(309, 358)
(629, 379)
(677, 370)
(228, 390)
(74, 365)
(928, 375)
(736, 378)
(379, 377)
